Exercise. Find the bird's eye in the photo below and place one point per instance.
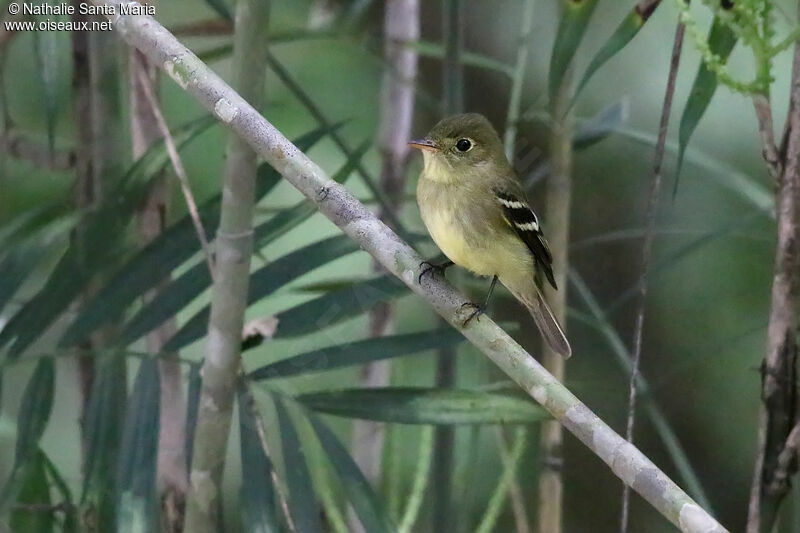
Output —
(463, 145)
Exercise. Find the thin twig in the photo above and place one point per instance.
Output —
(177, 166)
(647, 247)
(766, 131)
(337, 204)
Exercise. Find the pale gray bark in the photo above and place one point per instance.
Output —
(233, 246)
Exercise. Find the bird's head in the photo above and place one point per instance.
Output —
(461, 147)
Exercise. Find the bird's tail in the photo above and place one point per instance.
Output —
(529, 294)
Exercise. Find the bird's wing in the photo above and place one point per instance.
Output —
(521, 218)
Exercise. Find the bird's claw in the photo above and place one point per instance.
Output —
(427, 268)
(477, 311)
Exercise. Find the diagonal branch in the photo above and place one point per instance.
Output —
(344, 210)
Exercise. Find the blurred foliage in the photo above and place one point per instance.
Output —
(707, 308)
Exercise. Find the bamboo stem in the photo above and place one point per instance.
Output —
(229, 294)
(558, 198)
(342, 208)
(401, 24)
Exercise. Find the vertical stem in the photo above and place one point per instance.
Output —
(401, 25)
(98, 164)
(229, 295)
(558, 198)
(647, 246)
(86, 192)
(443, 452)
(779, 370)
(152, 220)
(517, 81)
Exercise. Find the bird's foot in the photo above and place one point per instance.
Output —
(429, 268)
(477, 311)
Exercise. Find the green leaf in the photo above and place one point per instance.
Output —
(34, 490)
(47, 46)
(221, 7)
(721, 41)
(70, 523)
(358, 352)
(103, 433)
(286, 220)
(367, 505)
(34, 413)
(436, 50)
(571, 29)
(257, 498)
(159, 258)
(625, 32)
(268, 279)
(97, 247)
(303, 505)
(137, 499)
(600, 126)
(418, 405)
(191, 283)
(337, 306)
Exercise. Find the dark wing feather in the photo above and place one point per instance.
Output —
(526, 225)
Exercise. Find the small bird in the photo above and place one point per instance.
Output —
(475, 209)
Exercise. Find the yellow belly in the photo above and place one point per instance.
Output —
(502, 254)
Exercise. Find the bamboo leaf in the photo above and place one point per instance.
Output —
(625, 32)
(159, 258)
(367, 505)
(137, 499)
(268, 279)
(70, 523)
(192, 282)
(34, 413)
(257, 493)
(571, 29)
(337, 306)
(103, 433)
(721, 41)
(436, 50)
(47, 46)
(600, 126)
(358, 352)
(97, 249)
(303, 505)
(35, 491)
(417, 405)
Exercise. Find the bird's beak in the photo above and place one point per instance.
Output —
(424, 144)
